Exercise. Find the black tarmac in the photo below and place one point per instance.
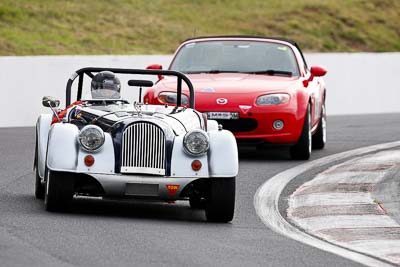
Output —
(109, 233)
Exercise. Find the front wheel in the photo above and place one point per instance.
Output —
(302, 150)
(39, 186)
(59, 191)
(197, 203)
(220, 202)
(319, 138)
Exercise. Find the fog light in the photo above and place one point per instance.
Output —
(278, 125)
(89, 160)
(196, 165)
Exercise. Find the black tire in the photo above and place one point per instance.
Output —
(302, 150)
(39, 186)
(220, 202)
(319, 138)
(59, 191)
(197, 203)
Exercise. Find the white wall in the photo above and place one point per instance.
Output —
(356, 83)
(25, 80)
(360, 83)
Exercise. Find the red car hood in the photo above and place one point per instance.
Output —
(235, 89)
(233, 83)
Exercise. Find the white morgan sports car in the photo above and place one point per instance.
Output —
(113, 148)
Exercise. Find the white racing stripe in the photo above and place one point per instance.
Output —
(266, 202)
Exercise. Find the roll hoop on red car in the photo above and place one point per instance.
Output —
(259, 88)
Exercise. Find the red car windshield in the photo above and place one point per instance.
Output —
(236, 56)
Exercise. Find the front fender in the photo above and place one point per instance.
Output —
(220, 161)
(62, 151)
(303, 100)
(181, 162)
(43, 125)
(212, 125)
(223, 154)
(65, 153)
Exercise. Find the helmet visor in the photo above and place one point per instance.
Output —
(106, 89)
(107, 85)
(105, 94)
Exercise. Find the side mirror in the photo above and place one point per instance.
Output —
(156, 67)
(318, 71)
(50, 102)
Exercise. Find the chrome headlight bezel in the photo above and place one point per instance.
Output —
(197, 148)
(96, 132)
(272, 99)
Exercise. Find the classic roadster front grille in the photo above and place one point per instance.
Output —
(143, 149)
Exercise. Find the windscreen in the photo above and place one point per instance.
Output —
(235, 56)
(125, 92)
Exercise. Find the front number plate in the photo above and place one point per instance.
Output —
(223, 115)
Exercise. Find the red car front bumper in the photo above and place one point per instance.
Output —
(256, 124)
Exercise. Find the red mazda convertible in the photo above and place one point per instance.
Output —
(259, 88)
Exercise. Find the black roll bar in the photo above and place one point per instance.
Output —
(88, 71)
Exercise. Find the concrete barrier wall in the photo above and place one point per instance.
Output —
(357, 83)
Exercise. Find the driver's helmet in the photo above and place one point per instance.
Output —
(105, 85)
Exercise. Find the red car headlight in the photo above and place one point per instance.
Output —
(272, 99)
(171, 98)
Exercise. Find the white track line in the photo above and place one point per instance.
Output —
(382, 247)
(329, 199)
(351, 177)
(267, 196)
(346, 221)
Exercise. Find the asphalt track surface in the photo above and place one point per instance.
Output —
(105, 233)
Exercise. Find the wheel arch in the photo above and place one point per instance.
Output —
(43, 126)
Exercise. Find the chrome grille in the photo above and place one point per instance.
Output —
(143, 149)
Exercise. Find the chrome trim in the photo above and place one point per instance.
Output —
(143, 149)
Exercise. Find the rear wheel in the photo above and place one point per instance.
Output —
(59, 191)
(302, 150)
(220, 202)
(319, 138)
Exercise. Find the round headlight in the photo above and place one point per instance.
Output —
(91, 137)
(196, 142)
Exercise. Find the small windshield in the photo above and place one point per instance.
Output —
(236, 56)
(125, 92)
(104, 94)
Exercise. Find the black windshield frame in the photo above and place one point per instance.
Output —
(89, 72)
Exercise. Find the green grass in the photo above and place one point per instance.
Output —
(55, 27)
